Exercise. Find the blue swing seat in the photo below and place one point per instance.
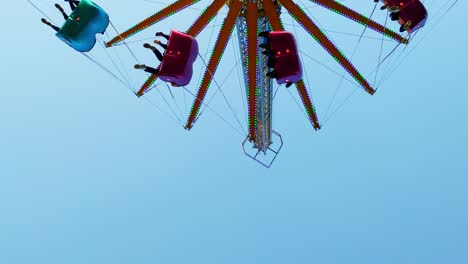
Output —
(80, 29)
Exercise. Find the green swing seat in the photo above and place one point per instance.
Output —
(80, 29)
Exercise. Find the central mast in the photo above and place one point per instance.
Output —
(258, 85)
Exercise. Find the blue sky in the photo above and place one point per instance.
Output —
(91, 174)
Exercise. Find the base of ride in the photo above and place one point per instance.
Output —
(268, 156)
(80, 29)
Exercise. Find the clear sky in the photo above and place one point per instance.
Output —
(91, 174)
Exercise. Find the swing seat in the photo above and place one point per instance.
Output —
(177, 64)
(80, 29)
(412, 12)
(287, 62)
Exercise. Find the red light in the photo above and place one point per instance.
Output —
(78, 19)
(279, 53)
(401, 3)
(178, 53)
(287, 51)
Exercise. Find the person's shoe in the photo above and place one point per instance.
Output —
(272, 74)
(148, 46)
(157, 41)
(139, 66)
(288, 84)
(45, 21)
(59, 8)
(159, 34)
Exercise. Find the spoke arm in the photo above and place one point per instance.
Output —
(148, 83)
(310, 109)
(276, 25)
(220, 46)
(164, 13)
(205, 18)
(298, 14)
(252, 66)
(353, 15)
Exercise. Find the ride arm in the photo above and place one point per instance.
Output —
(273, 17)
(353, 15)
(309, 107)
(298, 14)
(276, 25)
(220, 46)
(208, 14)
(162, 14)
(252, 51)
(148, 83)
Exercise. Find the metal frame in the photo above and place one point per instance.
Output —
(263, 109)
(269, 149)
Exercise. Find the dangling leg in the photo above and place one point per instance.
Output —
(146, 68)
(50, 24)
(158, 54)
(160, 34)
(271, 62)
(265, 46)
(74, 4)
(264, 34)
(65, 16)
(160, 44)
(152, 70)
(155, 51)
(288, 84)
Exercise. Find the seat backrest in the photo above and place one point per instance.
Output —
(282, 43)
(289, 69)
(80, 29)
(177, 64)
(287, 63)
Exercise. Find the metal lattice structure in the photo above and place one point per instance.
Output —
(263, 103)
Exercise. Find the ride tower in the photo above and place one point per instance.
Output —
(263, 139)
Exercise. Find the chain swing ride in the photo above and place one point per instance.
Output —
(268, 52)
